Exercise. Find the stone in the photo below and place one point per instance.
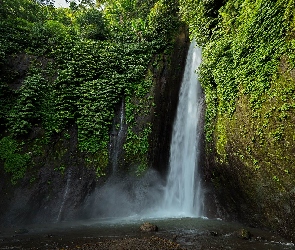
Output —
(148, 227)
(244, 234)
(213, 233)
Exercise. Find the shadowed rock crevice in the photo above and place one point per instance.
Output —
(168, 80)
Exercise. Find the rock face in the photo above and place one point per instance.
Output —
(53, 192)
(148, 227)
(251, 161)
(61, 177)
(250, 109)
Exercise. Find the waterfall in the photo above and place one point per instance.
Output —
(65, 196)
(144, 197)
(117, 139)
(183, 194)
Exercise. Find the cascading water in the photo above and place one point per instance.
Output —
(65, 196)
(183, 194)
(117, 139)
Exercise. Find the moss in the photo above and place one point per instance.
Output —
(99, 161)
(259, 148)
(221, 138)
(15, 162)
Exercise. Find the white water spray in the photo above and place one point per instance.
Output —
(183, 194)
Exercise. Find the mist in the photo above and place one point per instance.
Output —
(126, 196)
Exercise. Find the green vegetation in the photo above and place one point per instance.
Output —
(70, 66)
(248, 76)
(244, 43)
(15, 162)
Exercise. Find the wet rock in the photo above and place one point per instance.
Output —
(213, 233)
(21, 231)
(244, 234)
(148, 227)
(259, 238)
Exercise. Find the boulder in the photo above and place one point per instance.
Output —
(148, 227)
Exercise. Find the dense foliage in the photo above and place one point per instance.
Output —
(243, 45)
(71, 66)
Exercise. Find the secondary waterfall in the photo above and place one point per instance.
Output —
(117, 139)
(65, 196)
(183, 194)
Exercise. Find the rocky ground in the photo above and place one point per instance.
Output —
(180, 234)
(146, 243)
(151, 242)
